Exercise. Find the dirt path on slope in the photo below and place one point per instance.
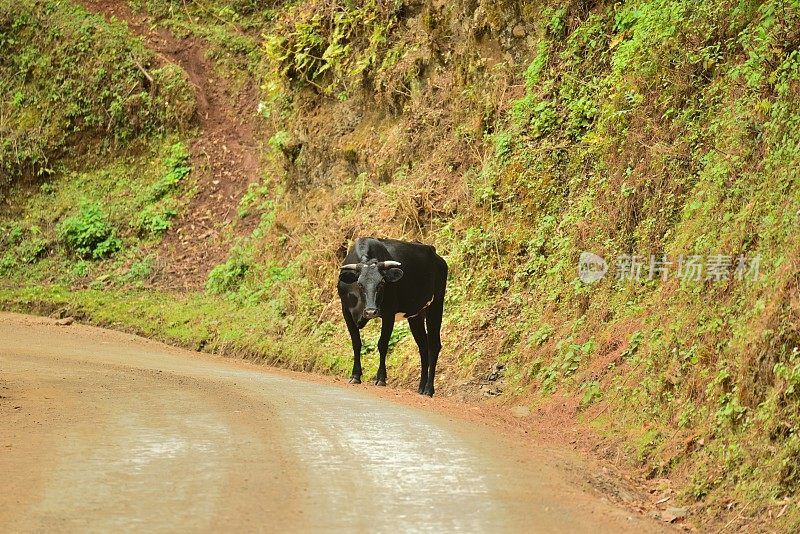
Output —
(225, 156)
(101, 430)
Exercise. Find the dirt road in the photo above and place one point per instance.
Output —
(104, 431)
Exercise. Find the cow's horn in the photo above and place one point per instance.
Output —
(390, 263)
(351, 267)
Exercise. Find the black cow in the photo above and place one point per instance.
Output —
(394, 280)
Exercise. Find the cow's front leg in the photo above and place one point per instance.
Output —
(355, 338)
(387, 324)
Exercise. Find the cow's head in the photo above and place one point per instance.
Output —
(361, 287)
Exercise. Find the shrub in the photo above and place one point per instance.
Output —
(138, 272)
(32, 249)
(545, 119)
(503, 144)
(89, 234)
(582, 112)
(178, 168)
(15, 234)
(333, 46)
(152, 222)
(227, 277)
(81, 268)
(7, 263)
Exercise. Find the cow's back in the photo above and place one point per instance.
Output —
(424, 271)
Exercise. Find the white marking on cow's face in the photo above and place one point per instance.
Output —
(399, 316)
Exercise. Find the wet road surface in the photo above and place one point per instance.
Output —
(103, 431)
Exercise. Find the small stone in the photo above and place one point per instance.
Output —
(626, 496)
(670, 515)
(66, 321)
(519, 31)
(521, 411)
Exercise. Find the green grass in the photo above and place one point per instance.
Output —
(199, 321)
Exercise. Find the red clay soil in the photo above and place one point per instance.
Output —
(225, 158)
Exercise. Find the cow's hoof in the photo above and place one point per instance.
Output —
(428, 392)
(354, 380)
(421, 390)
(380, 382)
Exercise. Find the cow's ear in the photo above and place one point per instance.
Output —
(348, 277)
(393, 275)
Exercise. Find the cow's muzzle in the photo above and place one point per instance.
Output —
(370, 313)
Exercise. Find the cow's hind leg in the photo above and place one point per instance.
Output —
(387, 325)
(355, 337)
(417, 326)
(433, 320)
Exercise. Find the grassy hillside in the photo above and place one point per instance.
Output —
(73, 83)
(513, 137)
